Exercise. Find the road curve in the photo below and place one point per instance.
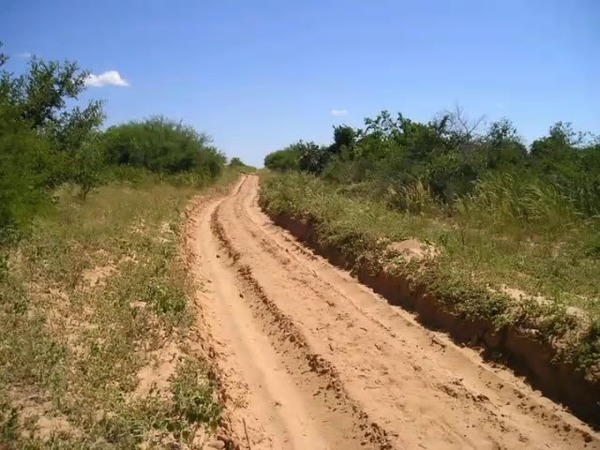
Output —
(311, 359)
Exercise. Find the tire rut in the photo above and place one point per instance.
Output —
(314, 374)
(312, 359)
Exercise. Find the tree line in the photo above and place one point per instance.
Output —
(49, 136)
(452, 158)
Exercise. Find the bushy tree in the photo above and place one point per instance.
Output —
(236, 162)
(162, 145)
(556, 148)
(301, 155)
(503, 145)
(283, 160)
(344, 138)
(42, 139)
(39, 99)
(24, 156)
(313, 158)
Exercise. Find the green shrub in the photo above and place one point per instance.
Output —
(283, 160)
(43, 142)
(23, 155)
(162, 145)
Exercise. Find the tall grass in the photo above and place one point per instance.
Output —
(414, 198)
(506, 201)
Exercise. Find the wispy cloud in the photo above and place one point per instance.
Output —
(108, 78)
(339, 112)
(24, 55)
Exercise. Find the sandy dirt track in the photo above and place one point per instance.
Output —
(311, 359)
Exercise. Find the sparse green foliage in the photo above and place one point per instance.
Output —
(193, 394)
(87, 165)
(40, 96)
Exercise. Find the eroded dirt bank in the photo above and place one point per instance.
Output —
(311, 359)
(517, 348)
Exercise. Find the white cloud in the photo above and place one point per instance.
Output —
(24, 55)
(339, 112)
(108, 78)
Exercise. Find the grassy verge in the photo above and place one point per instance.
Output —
(476, 262)
(95, 320)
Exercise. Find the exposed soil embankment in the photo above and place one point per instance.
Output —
(521, 349)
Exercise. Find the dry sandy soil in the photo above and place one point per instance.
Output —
(311, 359)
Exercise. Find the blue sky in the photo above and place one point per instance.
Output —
(257, 75)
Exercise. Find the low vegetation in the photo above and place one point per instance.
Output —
(515, 229)
(94, 350)
(94, 342)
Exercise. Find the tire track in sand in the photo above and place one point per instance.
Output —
(312, 359)
(279, 394)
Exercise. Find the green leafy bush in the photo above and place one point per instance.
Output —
(283, 160)
(43, 142)
(162, 145)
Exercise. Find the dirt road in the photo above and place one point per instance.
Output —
(311, 359)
